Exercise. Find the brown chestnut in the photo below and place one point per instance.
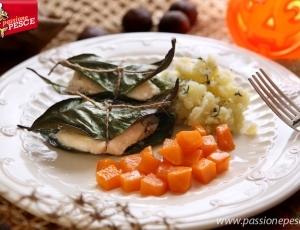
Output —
(137, 20)
(174, 22)
(186, 7)
(91, 32)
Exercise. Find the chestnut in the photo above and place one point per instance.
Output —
(137, 20)
(186, 7)
(174, 22)
(91, 32)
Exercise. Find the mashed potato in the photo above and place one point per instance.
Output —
(208, 95)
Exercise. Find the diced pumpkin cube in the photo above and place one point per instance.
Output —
(130, 162)
(103, 163)
(149, 163)
(200, 129)
(221, 159)
(169, 142)
(180, 179)
(172, 154)
(151, 185)
(192, 157)
(224, 138)
(209, 145)
(108, 178)
(189, 140)
(204, 170)
(163, 170)
(148, 150)
(131, 181)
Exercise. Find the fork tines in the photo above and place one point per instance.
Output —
(280, 104)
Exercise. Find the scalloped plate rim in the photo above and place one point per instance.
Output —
(209, 223)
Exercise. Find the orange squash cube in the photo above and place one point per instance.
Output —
(209, 145)
(180, 179)
(108, 178)
(189, 140)
(151, 185)
(131, 181)
(148, 150)
(130, 162)
(163, 170)
(221, 159)
(200, 129)
(192, 157)
(224, 138)
(149, 163)
(204, 170)
(103, 163)
(169, 142)
(172, 154)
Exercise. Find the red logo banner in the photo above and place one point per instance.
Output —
(17, 16)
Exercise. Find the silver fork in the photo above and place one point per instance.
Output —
(280, 104)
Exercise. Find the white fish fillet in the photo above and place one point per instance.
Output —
(86, 85)
(116, 146)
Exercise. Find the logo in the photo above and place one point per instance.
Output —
(18, 16)
(3, 16)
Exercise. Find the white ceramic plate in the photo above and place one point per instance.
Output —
(60, 186)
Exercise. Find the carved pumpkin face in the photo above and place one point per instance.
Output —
(268, 27)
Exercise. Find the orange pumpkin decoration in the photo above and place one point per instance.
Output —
(268, 27)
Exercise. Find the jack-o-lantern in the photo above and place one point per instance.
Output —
(268, 27)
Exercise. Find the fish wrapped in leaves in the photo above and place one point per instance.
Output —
(94, 75)
(94, 125)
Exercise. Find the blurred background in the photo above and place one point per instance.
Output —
(61, 22)
(268, 27)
